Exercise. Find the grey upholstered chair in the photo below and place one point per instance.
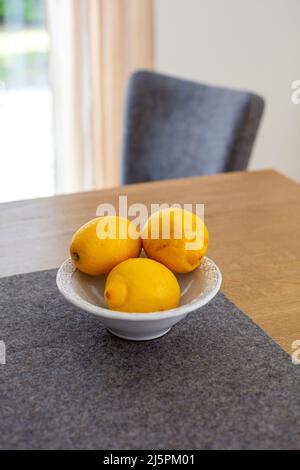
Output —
(175, 128)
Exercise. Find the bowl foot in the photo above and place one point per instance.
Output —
(132, 336)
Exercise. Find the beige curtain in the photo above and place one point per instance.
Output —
(95, 45)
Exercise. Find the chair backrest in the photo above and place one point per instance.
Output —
(176, 128)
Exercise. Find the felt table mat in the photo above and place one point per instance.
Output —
(216, 381)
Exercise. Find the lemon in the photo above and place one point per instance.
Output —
(183, 246)
(141, 285)
(104, 242)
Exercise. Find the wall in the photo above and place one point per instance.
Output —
(247, 44)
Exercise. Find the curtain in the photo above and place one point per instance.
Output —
(95, 45)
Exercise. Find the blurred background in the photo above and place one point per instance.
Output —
(64, 67)
(26, 134)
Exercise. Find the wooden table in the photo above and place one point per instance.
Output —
(253, 220)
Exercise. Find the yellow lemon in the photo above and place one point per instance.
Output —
(141, 285)
(104, 242)
(177, 238)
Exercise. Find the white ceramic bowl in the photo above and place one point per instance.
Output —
(86, 292)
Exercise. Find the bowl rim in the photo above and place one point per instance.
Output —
(68, 269)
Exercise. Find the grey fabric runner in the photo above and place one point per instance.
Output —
(216, 381)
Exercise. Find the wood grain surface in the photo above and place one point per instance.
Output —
(253, 220)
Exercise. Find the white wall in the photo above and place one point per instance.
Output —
(247, 44)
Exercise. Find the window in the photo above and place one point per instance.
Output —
(26, 142)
